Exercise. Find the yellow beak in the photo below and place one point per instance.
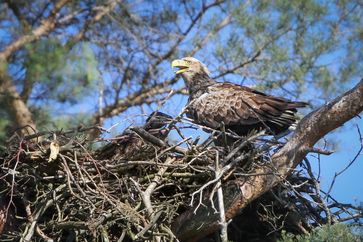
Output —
(182, 65)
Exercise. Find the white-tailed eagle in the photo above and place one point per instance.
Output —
(240, 109)
(130, 146)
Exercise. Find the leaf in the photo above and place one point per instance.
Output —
(54, 151)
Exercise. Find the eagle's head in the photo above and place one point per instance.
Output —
(156, 123)
(189, 67)
(157, 120)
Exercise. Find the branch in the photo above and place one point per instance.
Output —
(238, 194)
(226, 21)
(134, 99)
(99, 12)
(156, 141)
(46, 26)
(254, 57)
(21, 18)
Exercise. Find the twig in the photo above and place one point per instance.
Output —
(222, 216)
(359, 152)
(151, 138)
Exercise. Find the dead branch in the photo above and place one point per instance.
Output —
(242, 192)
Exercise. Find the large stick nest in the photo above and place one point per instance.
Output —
(59, 188)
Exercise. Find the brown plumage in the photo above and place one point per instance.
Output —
(130, 146)
(240, 109)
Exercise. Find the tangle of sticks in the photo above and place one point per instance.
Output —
(62, 188)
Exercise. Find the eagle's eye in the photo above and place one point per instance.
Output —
(188, 62)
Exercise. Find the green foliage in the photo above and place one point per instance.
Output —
(325, 80)
(4, 122)
(72, 121)
(335, 233)
(46, 120)
(305, 44)
(55, 74)
(62, 74)
(3, 65)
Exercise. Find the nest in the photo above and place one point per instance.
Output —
(62, 189)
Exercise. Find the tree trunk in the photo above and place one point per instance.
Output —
(191, 226)
(16, 107)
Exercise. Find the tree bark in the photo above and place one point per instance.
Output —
(191, 226)
(16, 107)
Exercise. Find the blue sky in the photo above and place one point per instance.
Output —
(348, 187)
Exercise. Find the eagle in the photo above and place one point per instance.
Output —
(130, 146)
(238, 108)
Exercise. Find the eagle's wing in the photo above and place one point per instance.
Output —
(236, 105)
